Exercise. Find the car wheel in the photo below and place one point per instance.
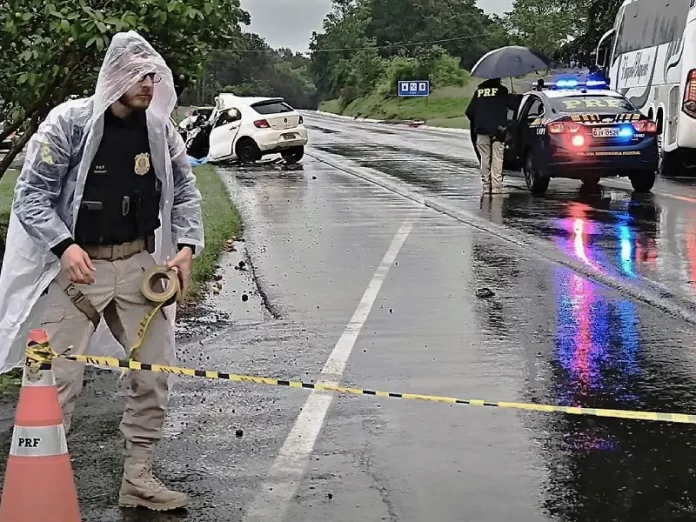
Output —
(248, 152)
(536, 182)
(293, 155)
(643, 182)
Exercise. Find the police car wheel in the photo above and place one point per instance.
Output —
(536, 183)
(643, 182)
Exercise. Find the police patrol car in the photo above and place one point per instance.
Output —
(581, 130)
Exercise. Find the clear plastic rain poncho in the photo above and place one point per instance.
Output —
(50, 188)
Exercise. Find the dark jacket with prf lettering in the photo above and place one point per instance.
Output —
(488, 109)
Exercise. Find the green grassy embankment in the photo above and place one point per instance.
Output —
(10, 380)
(7, 184)
(444, 108)
(221, 222)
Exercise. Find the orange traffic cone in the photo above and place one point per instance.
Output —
(39, 482)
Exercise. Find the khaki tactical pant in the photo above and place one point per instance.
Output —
(115, 292)
(492, 153)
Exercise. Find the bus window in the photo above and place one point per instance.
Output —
(649, 23)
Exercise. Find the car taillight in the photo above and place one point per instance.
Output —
(578, 140)
(689, 105)
(262, 124)
(645, 126)
(563, 127)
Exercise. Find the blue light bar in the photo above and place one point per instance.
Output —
(567, 84)
(574, 83)
(596, 84)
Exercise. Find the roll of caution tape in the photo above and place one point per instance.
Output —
(156, 277)
(158, 274)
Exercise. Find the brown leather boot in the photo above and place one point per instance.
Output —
(140, 488)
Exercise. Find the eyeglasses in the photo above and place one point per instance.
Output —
(155, 77)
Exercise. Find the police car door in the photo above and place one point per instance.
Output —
(225, 129)
(531, 123)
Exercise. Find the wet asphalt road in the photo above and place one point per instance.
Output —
(342, 270)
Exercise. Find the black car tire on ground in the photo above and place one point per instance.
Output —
(293, 155)
(642, 182)
(537, 183)
(671, 164)
(590, 182)
(247, 151)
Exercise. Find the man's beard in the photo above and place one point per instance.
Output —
(134, 103)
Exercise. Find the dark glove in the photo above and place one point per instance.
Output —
(501, 134)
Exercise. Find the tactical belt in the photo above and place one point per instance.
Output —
(115, 252)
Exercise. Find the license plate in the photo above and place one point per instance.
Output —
(289, 136)
(605, 133)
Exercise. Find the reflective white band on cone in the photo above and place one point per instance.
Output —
(43, 441)
(32, 376)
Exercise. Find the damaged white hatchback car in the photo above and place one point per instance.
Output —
(247, 129)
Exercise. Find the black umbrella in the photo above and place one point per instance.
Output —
(509, 61)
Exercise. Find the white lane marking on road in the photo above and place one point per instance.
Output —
(284, 477)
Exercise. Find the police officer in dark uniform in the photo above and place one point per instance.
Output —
(488, 114)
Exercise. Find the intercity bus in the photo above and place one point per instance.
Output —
(649, 56)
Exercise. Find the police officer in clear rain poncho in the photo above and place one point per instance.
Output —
(106, 184)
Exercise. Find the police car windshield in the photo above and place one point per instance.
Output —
(593, 104)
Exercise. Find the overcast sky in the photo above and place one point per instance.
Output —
(289, 23)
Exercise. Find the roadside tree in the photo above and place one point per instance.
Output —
(51, 49)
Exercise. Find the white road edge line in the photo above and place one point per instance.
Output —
(287, 472)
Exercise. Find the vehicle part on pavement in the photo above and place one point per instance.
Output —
(509, 61)
(293, 155)
(484, 293)
(41, 356)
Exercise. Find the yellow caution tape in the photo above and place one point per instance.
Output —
(42, 355)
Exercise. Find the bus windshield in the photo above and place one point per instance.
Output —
(594, 104)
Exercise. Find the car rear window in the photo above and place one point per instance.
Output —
(273, 107)
(592, 104)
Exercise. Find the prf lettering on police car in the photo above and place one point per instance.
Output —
(29, 442)
(593, 103)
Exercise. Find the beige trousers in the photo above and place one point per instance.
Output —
(116, 293)
(492, 153)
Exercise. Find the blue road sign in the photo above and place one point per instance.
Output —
(414, 88)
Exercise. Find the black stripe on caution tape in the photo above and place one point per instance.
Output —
(42, 355)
